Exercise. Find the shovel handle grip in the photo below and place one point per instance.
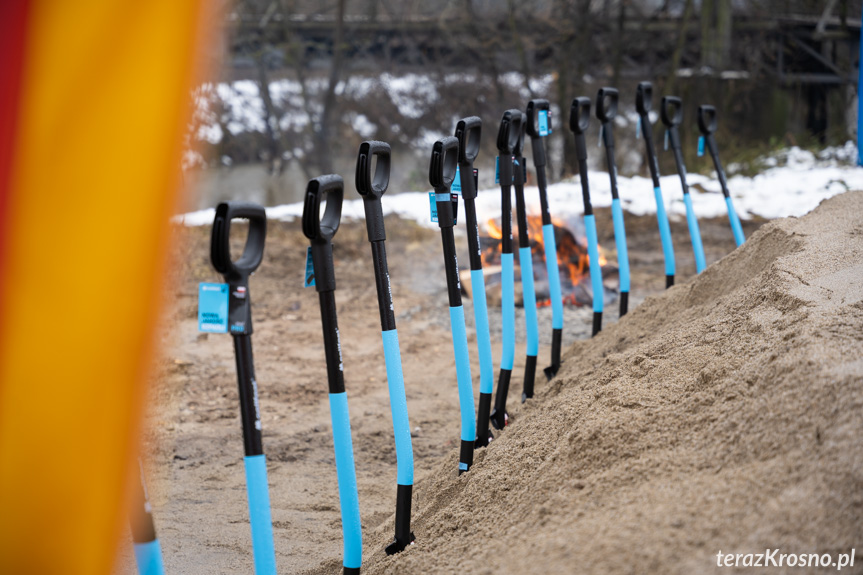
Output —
(468, 132)
(220, 244)
(323, 228)
(579, 115)
(370, 185)
(519, 143)
(643, 98)
(606, 104)
(706, 119)
(510, 131)
(671, 111)
(443, 164)
(534, 107)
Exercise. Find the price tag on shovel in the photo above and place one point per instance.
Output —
(213, 308)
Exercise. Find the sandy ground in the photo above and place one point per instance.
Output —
(194, 442)
(722, 415)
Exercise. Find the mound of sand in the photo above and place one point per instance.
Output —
(724, 414)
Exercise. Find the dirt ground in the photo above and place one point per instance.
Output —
(194, 446)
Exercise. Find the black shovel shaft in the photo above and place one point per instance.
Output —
(382, 283)
(521, 214)
(653, 164)
(474, 249)
(453, 284)
(707, 123)
(606, 111)
(643, 104)
(710, 141)
(678, 159)
(248, 387)
(332, 343)
(542, 183)
(581, 150)
(608, 142)
(506, 203)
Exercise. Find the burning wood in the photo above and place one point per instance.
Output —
(572, 260)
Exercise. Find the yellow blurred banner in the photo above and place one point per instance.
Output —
(90, 180)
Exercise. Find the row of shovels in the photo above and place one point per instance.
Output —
(451, 158)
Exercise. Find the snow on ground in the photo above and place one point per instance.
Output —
(791, 189)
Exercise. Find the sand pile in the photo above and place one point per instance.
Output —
(724, 414)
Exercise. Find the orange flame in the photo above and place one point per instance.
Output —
(572, 258)
(493, 230)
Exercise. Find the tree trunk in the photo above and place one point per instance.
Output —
(324, 149)
(678, 48)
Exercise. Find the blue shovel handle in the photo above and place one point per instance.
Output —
(553, 276)
(507, 299)
(259, 514)
(483, 337)
(620, 241)
(529, 294)
(462, 367)
(399, 408)
(664, 232)
(595, 269)
(148, 557)
(735, 222)
(694, 234)
(348, 498)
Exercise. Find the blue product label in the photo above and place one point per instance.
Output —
(309, 280)
(213, 308)
(700, 146)
(433, 204)
(456, 183)
(497, 170)
(544, 128)
(665, 143)
(638, 129)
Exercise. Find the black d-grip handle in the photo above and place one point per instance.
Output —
(315, 227)
(519, 143)
(671, 111)
(643, 98)
(534, 107)
(321, 230)
(706, 119)
(510, 131)
(220, 243)
(606, 104)
(369, 185)
(443, 164)
(468, 132)
(579, 115)
(372, 186)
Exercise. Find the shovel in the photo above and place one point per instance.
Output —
(643, 101)
(539, 126)
(372, 187)
(525, 260)
(441, 175)
(236, 274)
(671, 113)
(707, 125)
(606, 111)
(579, 121)
(507, 140)
(468, 132)
(320, 231)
